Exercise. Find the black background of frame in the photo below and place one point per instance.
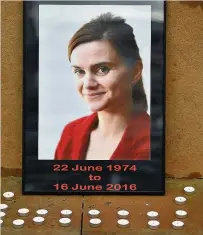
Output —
(38, 176)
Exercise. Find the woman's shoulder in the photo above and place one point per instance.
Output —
(140, 127)
(140, 134)
(142, 118)
(70, 134)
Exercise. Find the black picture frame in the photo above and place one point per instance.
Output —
(39, 176)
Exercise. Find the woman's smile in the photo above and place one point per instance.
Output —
(94, 95)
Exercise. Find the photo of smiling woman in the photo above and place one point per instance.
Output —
(106, 63)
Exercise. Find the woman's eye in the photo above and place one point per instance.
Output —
(79, 72)
(102, 70)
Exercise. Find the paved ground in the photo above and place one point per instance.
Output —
(137, 205)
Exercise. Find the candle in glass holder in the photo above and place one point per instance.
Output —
(1, 222)
(181, 214)
(3, 207)
(38, 220)
(2, 214)
(189, 190)
(95, 222)
(66, 213)
(42, 212)
(123, 223)
(8, 196)
(177, 224)
(93, 213)
(123, 214)
(64, 222)
(180, 200)
(152, 215)
(153, 224)
(23, 212)
(18, 223)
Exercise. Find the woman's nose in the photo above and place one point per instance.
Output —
(89, 80)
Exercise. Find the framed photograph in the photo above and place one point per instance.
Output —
(94, 97)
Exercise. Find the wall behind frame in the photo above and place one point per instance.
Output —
(184, 89)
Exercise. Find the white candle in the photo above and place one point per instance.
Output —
(95, 222)
(123, 223)
(93, 213)
(66, 213)
(38, 220)
(23, 212)
(8, 196)
(152, 215)
(181, 214)
(153, 224)
(1, 222)
(123, 214)
(177, 224)
(180, 200)
(2, 214)
(3, 207)
(18, 223)
(42, 212)
(65, 222)
(189, 190)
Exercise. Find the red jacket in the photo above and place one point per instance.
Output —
(134, 145)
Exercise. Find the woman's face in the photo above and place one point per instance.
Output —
(103, 80)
